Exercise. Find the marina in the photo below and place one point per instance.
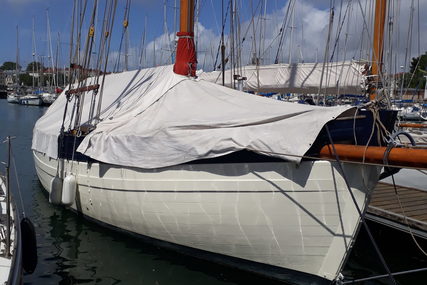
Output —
(263, 168)
(75, 250)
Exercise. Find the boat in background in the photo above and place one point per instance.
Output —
(48, 98)
(13, 98)
(416, 112)
(30, 100)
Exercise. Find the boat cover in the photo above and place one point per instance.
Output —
(154, 118)
(344, 77)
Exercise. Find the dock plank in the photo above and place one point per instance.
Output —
(413, 204)
(395, 203)
(404, 203)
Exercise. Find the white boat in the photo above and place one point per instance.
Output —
(413, 113)
(32, 100)
(207, 170)
(13, 98)
(48, 98)
(294, 217)
(300, 220)
(18, 245)
(10, 258)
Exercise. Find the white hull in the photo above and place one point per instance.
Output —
(10, 267)
(299, 218)
(48, 98)
(413, 113)
(30, 100)
(12, 98)
(415, 116)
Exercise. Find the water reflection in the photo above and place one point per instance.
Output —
(74, 250)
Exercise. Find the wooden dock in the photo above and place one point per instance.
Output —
(386, 209)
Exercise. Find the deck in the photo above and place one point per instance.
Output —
(385, 208)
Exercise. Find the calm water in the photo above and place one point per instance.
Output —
(73, 250)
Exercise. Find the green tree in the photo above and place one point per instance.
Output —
(9, 65)
(34, 66)
(26, 79)
(418, 69)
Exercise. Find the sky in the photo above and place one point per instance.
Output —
(305, 38)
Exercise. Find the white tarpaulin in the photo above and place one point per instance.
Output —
(154, 118)
(338, 78)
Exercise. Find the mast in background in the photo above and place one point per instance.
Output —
(425, 88)
(33, 77)
(378, 48)
(222, 45)
(17, 68)
(50, 51)
(186, 57)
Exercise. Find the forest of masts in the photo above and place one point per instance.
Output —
(255, 32)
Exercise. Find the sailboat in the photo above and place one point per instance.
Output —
(18, 238)
(211, 171)
(11, 258)
(13, 94)
(51, 93)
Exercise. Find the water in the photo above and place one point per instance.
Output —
(73, 250)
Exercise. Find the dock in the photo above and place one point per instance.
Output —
(385, 208)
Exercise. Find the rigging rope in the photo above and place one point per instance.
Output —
(85, 66)
(124, 31)
(110, 31)
(361, 215)
(97, 67)
(222, 32)
(17, 182)
(331, 21)
(283, 30)
(340, 29)
(105, 33)
(408, 45)
(405, 218)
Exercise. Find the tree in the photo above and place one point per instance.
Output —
(34, 66)
(26, 79)
(418, 69)
(9, 65)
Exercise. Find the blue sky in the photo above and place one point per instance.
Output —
(310, 29)
(21, 13)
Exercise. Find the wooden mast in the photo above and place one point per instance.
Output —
(186, 16)
(186, 58)
(378, 47)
